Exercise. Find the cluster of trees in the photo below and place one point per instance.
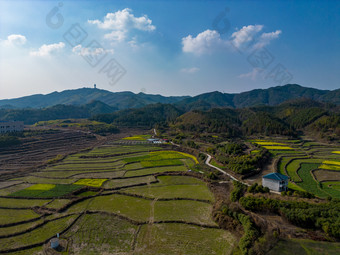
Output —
(238, 191)
(255, 188)
(231, 148)
(243, 164)
(323, 216)
(251, 233)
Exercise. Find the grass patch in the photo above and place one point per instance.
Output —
(91, 182)
(336, 152)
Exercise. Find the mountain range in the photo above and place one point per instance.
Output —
(127, 100)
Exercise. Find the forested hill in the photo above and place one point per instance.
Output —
(127, 100)
(290, 118)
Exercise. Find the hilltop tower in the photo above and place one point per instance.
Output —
(94, 86)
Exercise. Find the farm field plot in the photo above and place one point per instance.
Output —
(57, 203)
(39, 235)
(14, 188)
(150, 171)
(37, 180)
(182, 239)
(101, 234)
(19, 228)
(308, 183)
(8, 216)
(46, 190)
(184, 210)
(308, 164)
(21, 203)
(91, 182)
(116, 183)
(326, 175)
(294, 166)
(173, 191)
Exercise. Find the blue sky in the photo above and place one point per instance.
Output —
(167, 47)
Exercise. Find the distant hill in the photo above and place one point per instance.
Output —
(60, 111)
(127, 100)
(271, 96)
(119, 100)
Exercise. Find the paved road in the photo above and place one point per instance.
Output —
(207, 162)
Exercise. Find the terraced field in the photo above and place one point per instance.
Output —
(311, 166)
(114, 199)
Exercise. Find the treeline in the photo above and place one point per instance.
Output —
(323, 216)
(288, 119)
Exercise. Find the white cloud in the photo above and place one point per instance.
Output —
(15, 39)
(265, 38)
(190, 70)
(47, 49)
(245, 34)
(121, 22)
(116, 36)
(204, 42)
(83, 51)
(252, 74)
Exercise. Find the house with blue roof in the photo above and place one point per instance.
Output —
(275, 181)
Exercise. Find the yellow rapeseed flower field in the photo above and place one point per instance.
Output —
(91, 182)
(41, 187)
(278, 147)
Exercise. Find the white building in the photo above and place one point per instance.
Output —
(275, 181)
(11, 126)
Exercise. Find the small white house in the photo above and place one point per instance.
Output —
(11, 126)
(275, 181)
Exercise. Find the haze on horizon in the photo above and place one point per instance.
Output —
(167, 47)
